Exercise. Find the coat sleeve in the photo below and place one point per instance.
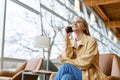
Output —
(67, 50)
(86, 60)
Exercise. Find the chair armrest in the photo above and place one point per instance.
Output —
(18, 76)
(7, 73)
(112, 78)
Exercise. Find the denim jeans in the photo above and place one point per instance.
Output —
(68, 72)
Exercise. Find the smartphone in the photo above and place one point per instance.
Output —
(69, 29)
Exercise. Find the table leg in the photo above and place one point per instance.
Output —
(22, 76)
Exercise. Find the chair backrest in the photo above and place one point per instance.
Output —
(34, 64)
(109, 64)
(105, 63)
(22, 67)
(116, 66)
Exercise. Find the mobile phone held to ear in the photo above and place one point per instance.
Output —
(69, 29)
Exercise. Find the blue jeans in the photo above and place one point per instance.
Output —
(68, 72)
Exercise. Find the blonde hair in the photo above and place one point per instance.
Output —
(86, 31)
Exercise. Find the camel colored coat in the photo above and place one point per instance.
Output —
(85, 57)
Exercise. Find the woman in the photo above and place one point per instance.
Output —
(80, 56)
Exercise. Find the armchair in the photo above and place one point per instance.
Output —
(28, 65)
(110, 65)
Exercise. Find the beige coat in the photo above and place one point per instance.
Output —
(85, 57)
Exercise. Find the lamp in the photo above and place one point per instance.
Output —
(42, 42)
(92, 18)
(77, 4)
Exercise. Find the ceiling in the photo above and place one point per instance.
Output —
(109, 11)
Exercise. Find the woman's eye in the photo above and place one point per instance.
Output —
(78, 22)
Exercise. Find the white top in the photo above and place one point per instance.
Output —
(78, 42)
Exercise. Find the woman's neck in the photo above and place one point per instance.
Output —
(79, 36)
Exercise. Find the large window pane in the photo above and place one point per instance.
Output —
(22, 26)
(32, 3)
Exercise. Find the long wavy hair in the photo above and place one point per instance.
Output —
(86, 31)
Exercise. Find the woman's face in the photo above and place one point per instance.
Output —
(78, 25)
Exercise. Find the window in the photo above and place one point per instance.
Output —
(21, 26)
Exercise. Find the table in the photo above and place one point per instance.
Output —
(38, 72)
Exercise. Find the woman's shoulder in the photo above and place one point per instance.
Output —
(90, 38)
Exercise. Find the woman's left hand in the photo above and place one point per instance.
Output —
(60, 57)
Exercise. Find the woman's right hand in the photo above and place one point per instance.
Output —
(67, 34)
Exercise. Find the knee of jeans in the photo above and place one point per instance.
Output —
(66, 65)
(67, 77)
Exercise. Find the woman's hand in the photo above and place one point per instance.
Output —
(67, 33)
(59, 57)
